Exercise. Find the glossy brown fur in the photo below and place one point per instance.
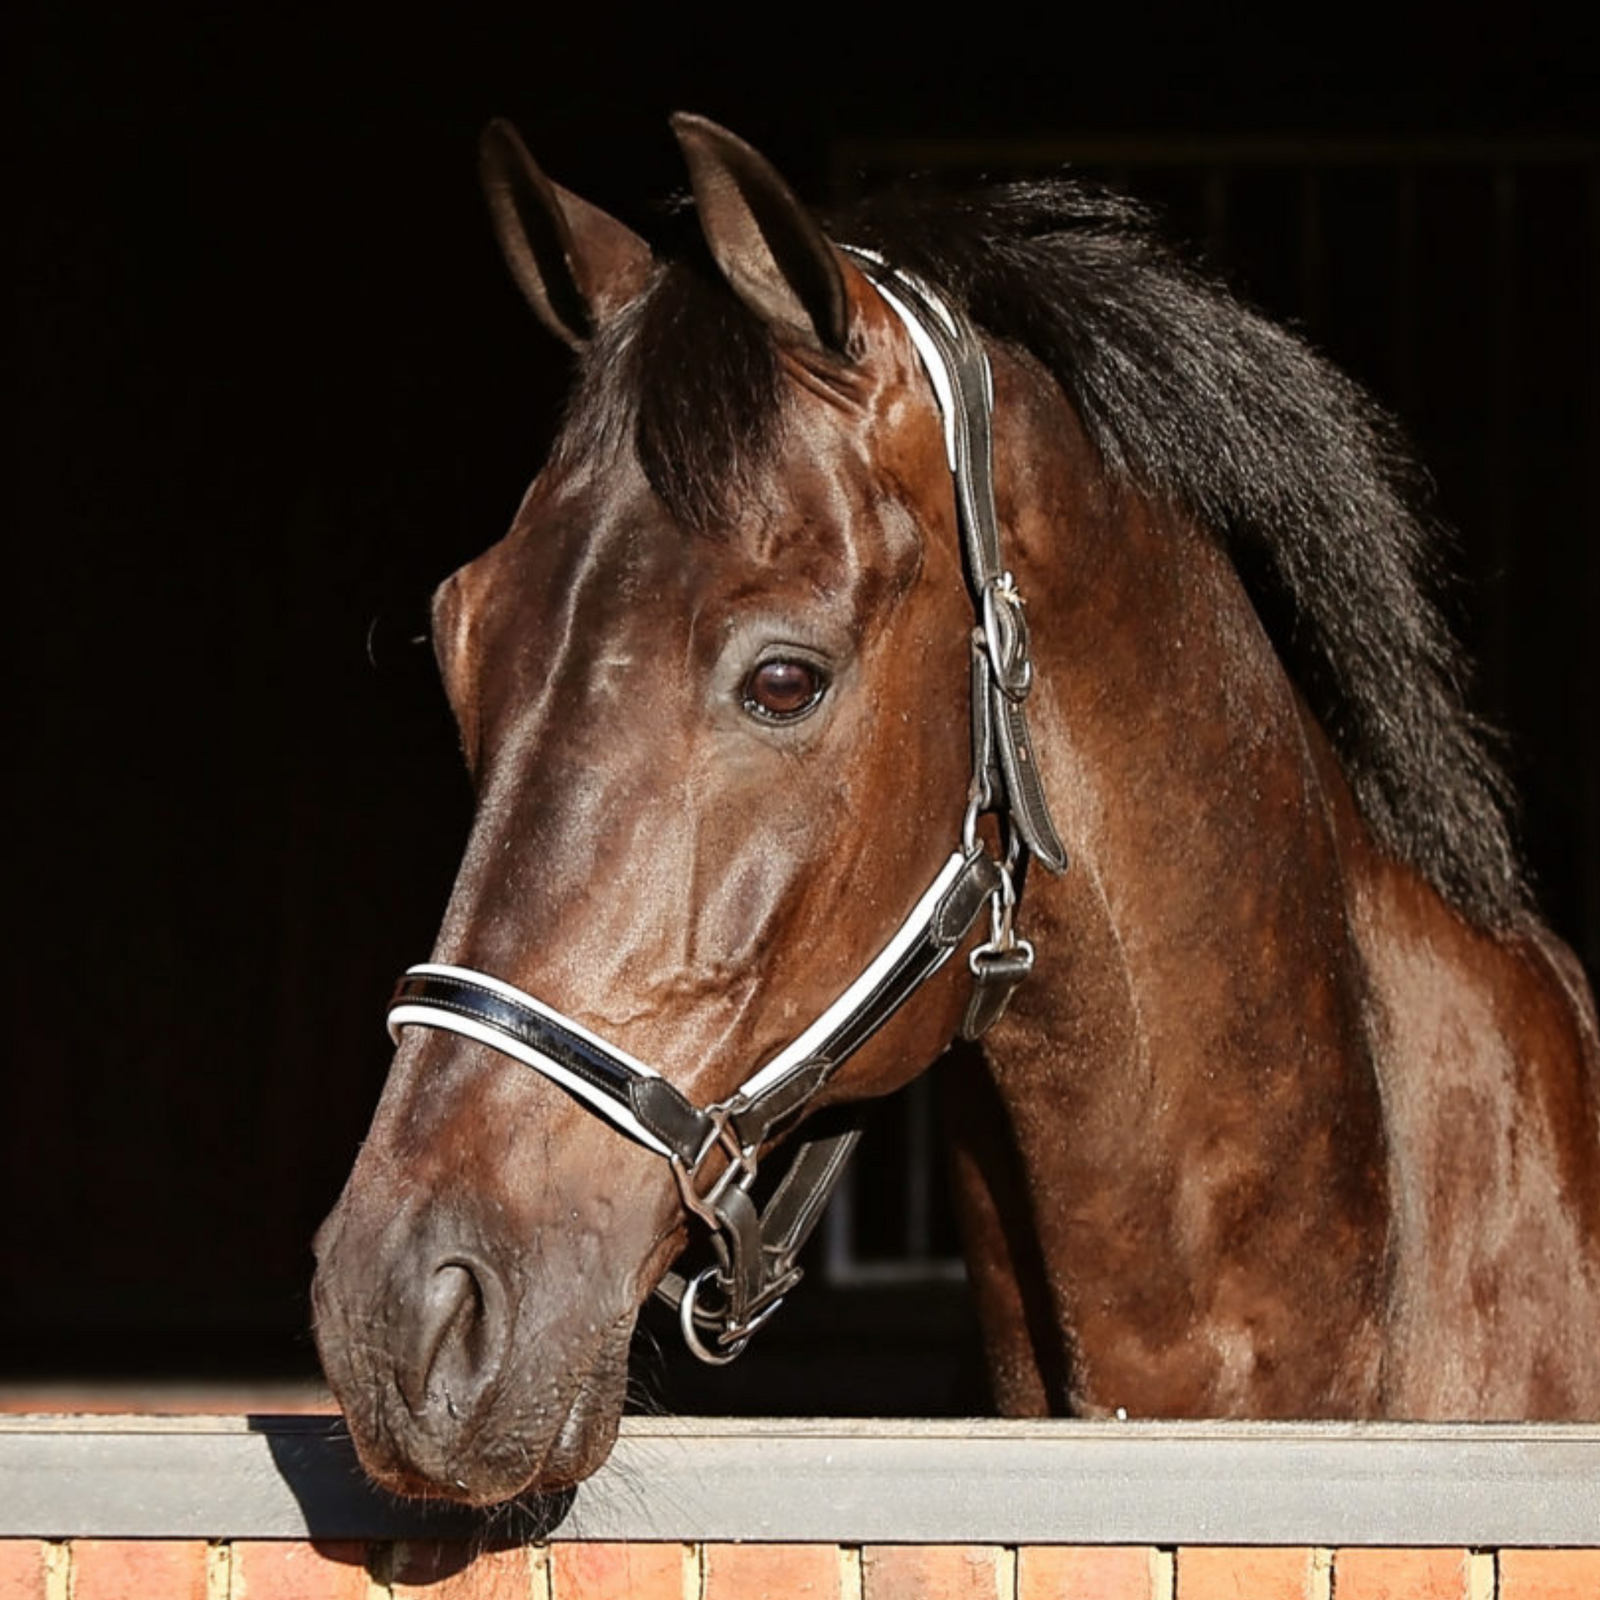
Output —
(1273, 1131)
(1294, 1139)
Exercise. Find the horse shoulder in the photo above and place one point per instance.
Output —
(1488, 1056)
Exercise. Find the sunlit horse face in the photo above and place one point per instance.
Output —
(714, 770)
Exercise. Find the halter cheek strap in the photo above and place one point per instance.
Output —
(714, 1150)
(958, 368)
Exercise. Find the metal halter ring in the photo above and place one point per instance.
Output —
(978, 802)
(741, 1168)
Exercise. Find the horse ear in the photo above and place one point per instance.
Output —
(766, 243)
(577, 266)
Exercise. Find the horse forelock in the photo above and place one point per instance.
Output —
(689, 381)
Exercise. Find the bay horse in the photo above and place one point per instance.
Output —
(1287, 1104)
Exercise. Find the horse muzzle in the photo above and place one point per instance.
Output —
(467, 1372)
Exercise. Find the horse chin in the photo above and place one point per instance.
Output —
(519, 1441)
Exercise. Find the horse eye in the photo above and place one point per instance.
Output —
(783, 690)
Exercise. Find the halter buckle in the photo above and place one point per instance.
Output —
(1005, 637)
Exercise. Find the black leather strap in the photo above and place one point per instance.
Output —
(956, 912)
(994, 981)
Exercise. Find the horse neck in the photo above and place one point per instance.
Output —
(1189, 1076)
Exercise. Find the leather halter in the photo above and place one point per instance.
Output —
(714, 1151)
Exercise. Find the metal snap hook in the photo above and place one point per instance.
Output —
(733, 1338)
(691, 1334)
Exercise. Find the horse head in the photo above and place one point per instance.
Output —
(709, 648)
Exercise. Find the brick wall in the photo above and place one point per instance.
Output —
(172, 1569)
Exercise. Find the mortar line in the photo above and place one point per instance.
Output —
(57, 1569)
(1321, 1585)
(1005, 1572)
(1163, 1573)
(850, 1580)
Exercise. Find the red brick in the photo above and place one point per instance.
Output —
(296, 1569)
(771, 1572)
(616, 1572)
(439, 1569)
(920, 1571)
(1379, 1574)
(137, 1569)
(1550, 1575)
(1221, 1572)
(22, 1569)
(1085, 1572)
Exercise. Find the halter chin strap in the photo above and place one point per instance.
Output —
(714, 1150)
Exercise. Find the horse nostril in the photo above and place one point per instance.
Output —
(460, 1333)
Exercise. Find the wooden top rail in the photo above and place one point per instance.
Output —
(261, 1477)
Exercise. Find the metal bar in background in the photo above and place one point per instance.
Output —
(904, 1195)
(854, 161)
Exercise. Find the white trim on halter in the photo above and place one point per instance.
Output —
(509, 991)
(905, 936)
(788, 1060)
(608, 1106)
(939, 374)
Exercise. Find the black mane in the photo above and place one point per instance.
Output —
(1189, 397)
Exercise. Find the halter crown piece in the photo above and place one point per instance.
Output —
(714, 1150)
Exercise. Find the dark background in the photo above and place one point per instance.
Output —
(273, 385)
